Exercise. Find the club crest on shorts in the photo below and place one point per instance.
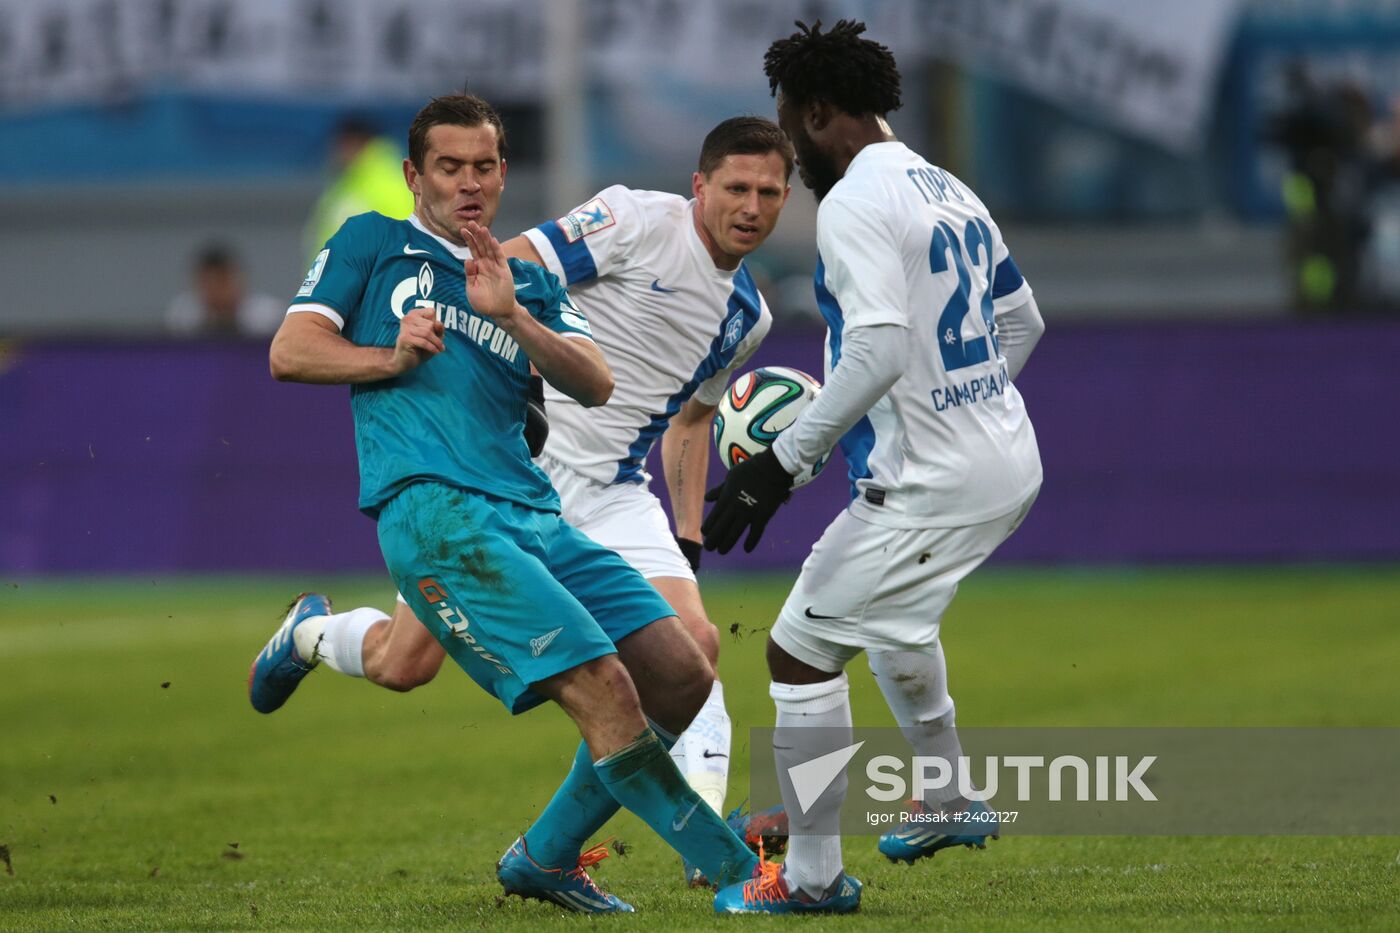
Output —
(537, 645)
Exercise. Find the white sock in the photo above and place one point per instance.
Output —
(342, 640)
(813, 720)
(915, 685)
(702, 753)
(306, 638)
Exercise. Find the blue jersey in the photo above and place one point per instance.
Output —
(458, 417)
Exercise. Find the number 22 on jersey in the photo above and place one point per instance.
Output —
(957, 352)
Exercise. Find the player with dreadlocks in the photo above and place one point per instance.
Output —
(930, 321)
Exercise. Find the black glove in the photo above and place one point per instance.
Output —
(536, 422)
(691, 550)
(747, 498)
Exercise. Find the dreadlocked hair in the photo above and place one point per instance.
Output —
(857, 75)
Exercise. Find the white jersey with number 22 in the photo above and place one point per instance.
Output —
(903, 242)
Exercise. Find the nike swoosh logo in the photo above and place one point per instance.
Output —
(657, 287)
(520, 285)
(812, 615)
(410, 251)
(678, 825)
(709, 754)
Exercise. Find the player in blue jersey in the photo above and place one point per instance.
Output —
(629, 258)
(435, 330)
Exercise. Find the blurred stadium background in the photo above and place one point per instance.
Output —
(1206, 199)
(1205, 196)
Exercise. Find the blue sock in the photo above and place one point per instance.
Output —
(578, 809)
(643, 778)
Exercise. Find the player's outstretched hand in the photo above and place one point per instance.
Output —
(490, 285)
(420, 338)
(747, 498)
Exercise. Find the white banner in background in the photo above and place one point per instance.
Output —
(64, 51)
(1146, 66)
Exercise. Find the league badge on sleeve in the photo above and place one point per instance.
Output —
(313, 275)
(589, 218)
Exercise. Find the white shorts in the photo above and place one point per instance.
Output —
(624, 517)
(868, 587)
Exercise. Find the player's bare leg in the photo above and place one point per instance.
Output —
(399, 653)
(684, 597)
(629, 760)
(602, 700)
(671, 677)
(310, 634)
(671, 674)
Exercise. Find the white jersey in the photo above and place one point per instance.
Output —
(670, 324)
(903, 242)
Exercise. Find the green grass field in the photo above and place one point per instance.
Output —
(139, 790)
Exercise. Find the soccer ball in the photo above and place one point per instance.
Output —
(756, 408)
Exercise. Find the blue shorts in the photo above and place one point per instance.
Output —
(514, 594)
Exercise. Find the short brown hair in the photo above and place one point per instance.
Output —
(452, 110)
(744, 136)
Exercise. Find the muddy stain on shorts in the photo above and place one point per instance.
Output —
(451, 536)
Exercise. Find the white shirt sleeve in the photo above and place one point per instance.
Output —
(594, 238)
(1018, 331)
(711, 391)
(872, 360)
(864, 272)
